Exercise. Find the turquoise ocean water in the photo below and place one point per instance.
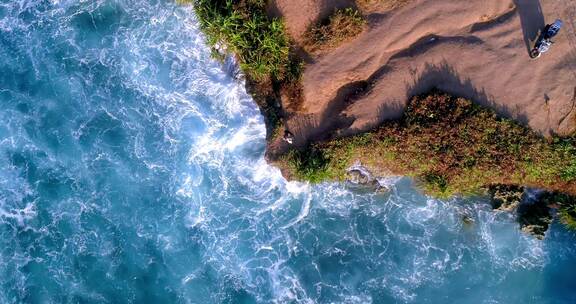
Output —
(132, 171)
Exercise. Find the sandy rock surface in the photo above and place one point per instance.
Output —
(476, 49)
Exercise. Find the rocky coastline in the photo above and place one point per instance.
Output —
(327, 75)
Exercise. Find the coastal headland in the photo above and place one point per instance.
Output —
(443, 91)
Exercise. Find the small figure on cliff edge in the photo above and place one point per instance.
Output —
(544, 42)
(288, 137)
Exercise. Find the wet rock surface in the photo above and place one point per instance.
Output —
(535, 217)
(505, 197)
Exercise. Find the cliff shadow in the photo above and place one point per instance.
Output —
(531, 19)
(334, 117)
(446, 79)
(388, 111)
(301, 127)
(322, 127)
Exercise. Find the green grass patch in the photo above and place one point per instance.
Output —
(340, 27)
(319, 162)
(451, 146)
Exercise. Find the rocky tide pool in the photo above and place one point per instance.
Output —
(132, 171)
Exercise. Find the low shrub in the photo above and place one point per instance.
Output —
(341, 26)
(565, 204)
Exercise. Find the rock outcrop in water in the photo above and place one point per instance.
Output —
(506, 197)
(360, 175)
(535, 217)
(534, 209)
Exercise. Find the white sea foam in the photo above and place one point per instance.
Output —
(304, 211)
(20, 215)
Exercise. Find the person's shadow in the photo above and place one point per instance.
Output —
(532, 20)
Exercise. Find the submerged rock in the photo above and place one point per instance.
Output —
(468, 220)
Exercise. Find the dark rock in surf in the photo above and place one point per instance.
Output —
(506, 197)
(360, 175)
(535, 218)
(533, 214)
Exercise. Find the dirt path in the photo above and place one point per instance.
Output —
(476, 49)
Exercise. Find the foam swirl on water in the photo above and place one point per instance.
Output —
(132, 170)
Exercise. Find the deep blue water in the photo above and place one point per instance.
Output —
(132, 171)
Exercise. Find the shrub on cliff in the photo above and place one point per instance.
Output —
(343, 25)
(451, 146)
(241, 27)
(262, 47)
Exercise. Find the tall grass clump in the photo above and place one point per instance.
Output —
(341, 26)
(262, 48)
(241, 27)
